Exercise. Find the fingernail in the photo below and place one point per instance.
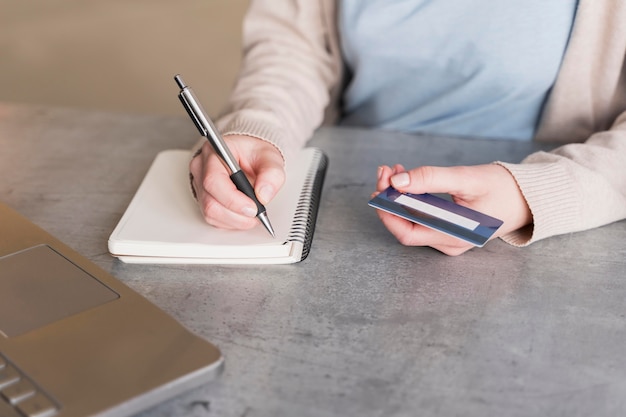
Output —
(249, 211)
(265, 194)
(400, 180)
(379, 173)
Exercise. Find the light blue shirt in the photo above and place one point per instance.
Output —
(453, 67)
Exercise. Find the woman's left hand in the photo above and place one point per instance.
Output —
(490, 189)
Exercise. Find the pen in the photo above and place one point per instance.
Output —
(209, 131)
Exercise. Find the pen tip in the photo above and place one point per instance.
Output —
(266, 222)
(179, 81)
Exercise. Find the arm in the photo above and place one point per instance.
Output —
(575, 187)
(290, 66)
(287, 76)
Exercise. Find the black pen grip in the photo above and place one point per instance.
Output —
(241, 182)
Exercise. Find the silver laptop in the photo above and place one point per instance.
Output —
(75, 341)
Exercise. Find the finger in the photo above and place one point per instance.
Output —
(217, 215)
(409, 233)
(429, 179)
(398, 168)
(270, 175)
(412, 234)
(384, 173)
(218, 197)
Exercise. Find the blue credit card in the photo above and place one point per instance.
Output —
(439, 214)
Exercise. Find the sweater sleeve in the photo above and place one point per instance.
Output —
(286, 75)
(575, 187)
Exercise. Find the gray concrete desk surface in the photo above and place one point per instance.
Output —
(364, 326)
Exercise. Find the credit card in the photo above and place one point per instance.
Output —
(439, 214)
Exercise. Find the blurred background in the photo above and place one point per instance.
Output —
(119, 55)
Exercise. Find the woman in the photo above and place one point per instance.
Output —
(555, 71)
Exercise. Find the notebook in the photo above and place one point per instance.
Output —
(75, 341)
(163, 223)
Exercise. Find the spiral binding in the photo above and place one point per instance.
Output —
(303, 226)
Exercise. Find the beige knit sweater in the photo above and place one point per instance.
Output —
(292, 74)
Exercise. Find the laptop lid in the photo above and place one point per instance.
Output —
(75, 341)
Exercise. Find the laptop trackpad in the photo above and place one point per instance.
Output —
(38, 286)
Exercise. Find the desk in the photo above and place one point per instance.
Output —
(364, 326)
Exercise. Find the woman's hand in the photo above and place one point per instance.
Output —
(221, 204)
(490, 189)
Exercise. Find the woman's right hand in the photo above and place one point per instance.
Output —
(221, 204)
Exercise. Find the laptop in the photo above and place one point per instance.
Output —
(75, 341)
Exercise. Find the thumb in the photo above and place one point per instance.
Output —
(429, 179)
(270, 176)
